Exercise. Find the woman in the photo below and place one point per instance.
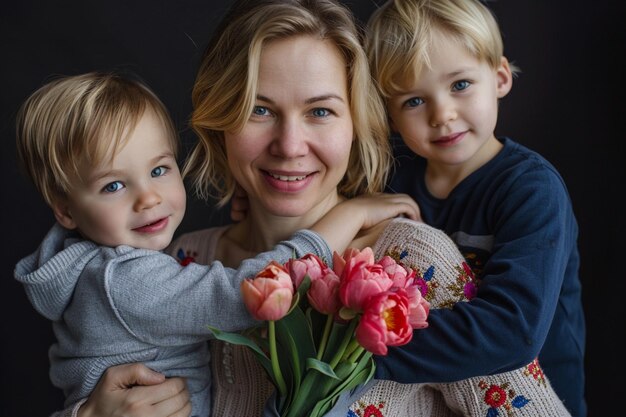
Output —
(284, 106)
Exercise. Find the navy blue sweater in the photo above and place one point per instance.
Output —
(513, 221)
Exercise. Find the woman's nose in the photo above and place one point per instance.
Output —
(290, 139)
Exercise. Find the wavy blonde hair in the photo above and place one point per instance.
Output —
(82, 117)
(225, 90)
(400, 33)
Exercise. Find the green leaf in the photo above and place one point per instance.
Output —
(298, 327)
(304, 286)
(317, 321)
(341, 349)
(238, 339)
(337, 335)
(322, 367)
(354, 375)
(291, 363)
(241, 340)
(308, 395)
(295, 343)
(294, 303)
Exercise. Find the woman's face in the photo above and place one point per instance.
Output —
(294, 149)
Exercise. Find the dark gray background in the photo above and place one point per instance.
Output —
(565, 105)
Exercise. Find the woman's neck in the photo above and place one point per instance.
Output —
(261, 231)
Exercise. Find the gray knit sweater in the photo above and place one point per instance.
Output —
(120, 305)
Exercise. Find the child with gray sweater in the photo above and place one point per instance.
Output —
(102, 149)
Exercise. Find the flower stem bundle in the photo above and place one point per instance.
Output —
(323, 324)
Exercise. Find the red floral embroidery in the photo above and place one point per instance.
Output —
(500, 396)
(495, 396)
(186, 257)
(372, 411)
(368, 410)
(534, 369)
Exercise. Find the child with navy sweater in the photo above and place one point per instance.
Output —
(440, 66)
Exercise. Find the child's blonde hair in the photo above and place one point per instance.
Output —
(400, 34)
(77, 118)
(224, 93)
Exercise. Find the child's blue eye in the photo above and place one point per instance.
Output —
(113, 187)
(460, 85)
(413, 102)
(158, 171)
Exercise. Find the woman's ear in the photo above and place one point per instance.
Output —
(61, 210)
(504, 78)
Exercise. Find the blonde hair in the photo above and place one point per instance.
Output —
(224, 92)
(76, 117)
(399, 37)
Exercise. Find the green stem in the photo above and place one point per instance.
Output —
(344, 343)
(354, 357)
(324, 341)
(282, 387)
(354, 344)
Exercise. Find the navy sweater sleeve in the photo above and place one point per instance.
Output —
(528, 212)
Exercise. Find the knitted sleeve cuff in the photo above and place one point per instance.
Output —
(436, 259)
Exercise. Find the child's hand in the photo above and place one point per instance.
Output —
(379, 207)
(363, 218)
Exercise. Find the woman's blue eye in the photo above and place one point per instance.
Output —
(113, 187)
(321, 112)
(414, 102)
(260, 111)
(158, 171)
(460, 85)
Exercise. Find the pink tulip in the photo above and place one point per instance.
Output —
(339, 262)
(324, 294)
(401, 276)
(310, 265)
(268, 296)
(385, 322)
(418, 306)
(361, 281)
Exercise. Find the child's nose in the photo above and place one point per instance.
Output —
(443, 112)
(146, 199)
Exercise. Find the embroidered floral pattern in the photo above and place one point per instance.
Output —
(186, 257)
(495, 396)
(463, 288)
(533, 369)
(475, 261)
(367, 410)
(499, 398)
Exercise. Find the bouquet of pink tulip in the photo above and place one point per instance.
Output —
(323, 324)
